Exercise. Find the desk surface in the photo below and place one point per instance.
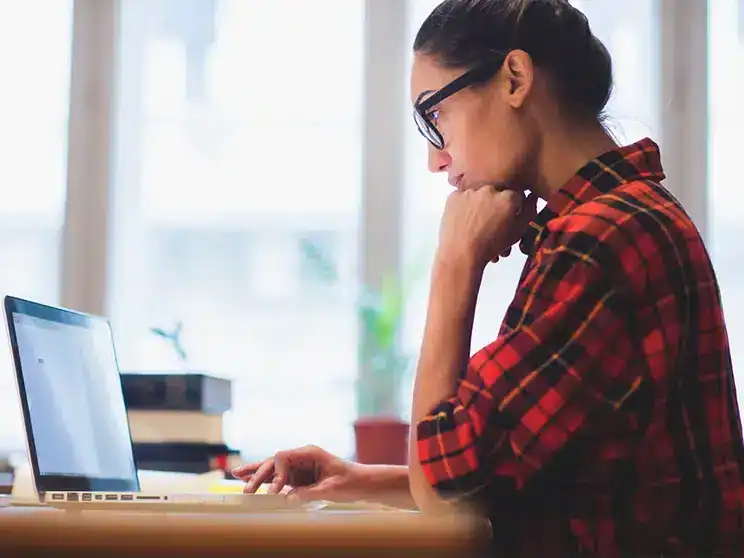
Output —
(40, 532)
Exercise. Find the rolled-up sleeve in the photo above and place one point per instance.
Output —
(561, 357)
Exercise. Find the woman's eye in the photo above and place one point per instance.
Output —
(434, 115)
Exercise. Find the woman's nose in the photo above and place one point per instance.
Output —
(439, 159)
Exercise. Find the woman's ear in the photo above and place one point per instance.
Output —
(519, 74)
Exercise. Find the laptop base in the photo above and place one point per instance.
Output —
(171, 503)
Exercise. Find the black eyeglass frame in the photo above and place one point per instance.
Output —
(479, 74)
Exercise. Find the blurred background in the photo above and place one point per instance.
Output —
(248, 168)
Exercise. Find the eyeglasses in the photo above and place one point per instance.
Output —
(421, 115)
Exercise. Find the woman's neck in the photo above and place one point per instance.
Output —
(564, 150)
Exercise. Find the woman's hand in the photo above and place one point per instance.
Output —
(482, 225)
(311, 472)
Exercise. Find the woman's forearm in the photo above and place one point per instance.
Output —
(387, 484)
(444, 354)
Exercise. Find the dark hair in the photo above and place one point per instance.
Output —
(557, 36)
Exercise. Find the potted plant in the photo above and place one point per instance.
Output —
(381, 435)
(380, 432)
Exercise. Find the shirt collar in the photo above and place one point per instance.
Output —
(637, 161)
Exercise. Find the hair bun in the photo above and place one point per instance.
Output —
(559, 38)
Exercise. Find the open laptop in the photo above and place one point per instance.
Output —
(77, 430)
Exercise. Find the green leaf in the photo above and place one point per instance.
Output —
(159, 332)
(321, 263)
(391, 311)
(370, 323)
(173, 338)
(180, 351)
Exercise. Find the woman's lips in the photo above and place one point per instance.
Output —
(455, 181)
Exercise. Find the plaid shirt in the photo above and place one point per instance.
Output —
(603, 420)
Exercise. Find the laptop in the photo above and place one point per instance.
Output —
(77, 431)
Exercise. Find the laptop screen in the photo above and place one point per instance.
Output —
(72, 399)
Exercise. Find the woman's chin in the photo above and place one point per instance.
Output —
(509, 186)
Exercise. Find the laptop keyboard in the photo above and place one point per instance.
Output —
(89, 497)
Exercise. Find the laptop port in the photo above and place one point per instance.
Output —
(111, 497)
(86, 497)
(58, 496)
(72, 497)
(99, 496)
(127, 497)
(148, 497)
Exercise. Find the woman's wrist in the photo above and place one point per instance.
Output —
(463, 261)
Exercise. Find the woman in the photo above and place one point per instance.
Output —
(603, 419)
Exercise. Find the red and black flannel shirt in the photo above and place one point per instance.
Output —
(603, 420)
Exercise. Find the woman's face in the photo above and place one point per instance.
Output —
(487, 134)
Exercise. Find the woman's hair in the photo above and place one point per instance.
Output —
(466, 33)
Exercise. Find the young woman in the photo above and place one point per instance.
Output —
(603, 418)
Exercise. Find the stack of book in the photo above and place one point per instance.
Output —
(6, 475)
(176, 421)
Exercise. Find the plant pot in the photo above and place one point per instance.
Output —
(381, 441)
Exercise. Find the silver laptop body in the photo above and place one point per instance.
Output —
(77, 431)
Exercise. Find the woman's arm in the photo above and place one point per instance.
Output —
(387, 484)
(444, 353)
(527, 397)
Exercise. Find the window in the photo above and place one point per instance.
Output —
(630, 35)
(726, 120)
(239, 138)
(35, 57)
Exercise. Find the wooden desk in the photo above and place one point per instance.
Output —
(48, 533)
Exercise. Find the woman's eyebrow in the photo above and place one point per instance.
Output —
(422, 95)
